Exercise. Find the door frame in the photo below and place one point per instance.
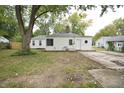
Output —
(78, 44)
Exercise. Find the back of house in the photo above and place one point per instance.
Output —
(62, 42)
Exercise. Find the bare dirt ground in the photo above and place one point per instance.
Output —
(68, 70)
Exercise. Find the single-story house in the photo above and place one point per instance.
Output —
(62, 41)
(118, 42)
(3, 40)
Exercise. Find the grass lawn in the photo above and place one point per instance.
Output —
(46, 69)
(99, 49)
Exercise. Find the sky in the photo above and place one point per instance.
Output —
(101, 22)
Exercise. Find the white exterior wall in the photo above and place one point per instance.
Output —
(59, 43)
(83, 45)
(78, 43)
(43, 45)
(118, 48)
(102, 42)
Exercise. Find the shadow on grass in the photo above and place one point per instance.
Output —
(23, 53)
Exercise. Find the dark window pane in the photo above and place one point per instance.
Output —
(40, 43)
(70, 41)
(49, 42)
(33, 43)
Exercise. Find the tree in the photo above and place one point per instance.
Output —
(34, 12)
(119, 25)
(109, 30)
(78, 23)
(8, 25)
(115, 28)
(59, 27)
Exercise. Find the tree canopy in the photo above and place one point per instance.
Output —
(115, 28)
(8, 24)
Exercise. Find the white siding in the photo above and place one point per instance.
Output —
(43, 43)
(60, 44)
(88, 45)
(63, 43)
(118, 46)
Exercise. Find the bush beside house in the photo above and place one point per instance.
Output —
(111, 46)
(123, 48)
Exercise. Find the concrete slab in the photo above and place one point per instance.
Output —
(114, 53)
(108, 78)
(106, 59)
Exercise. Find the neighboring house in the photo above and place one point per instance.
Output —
(62, 41)
(118, 42)
(3, 40)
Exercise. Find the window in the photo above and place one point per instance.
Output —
(119, 44)
(86, 41)
(70, 41)
(33, 43)
(49, 42)
(40, 43)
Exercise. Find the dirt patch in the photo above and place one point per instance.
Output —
(67, 67)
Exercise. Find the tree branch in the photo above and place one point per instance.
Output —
(32, 17)
(19, 19)
(43, 13)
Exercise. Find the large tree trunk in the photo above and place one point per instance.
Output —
(26, 38)
(26, 33)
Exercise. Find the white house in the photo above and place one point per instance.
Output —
(102, 42)
(3, 40)
(62, 41)
(118, 42)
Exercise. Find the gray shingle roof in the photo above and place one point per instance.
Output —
(58, 35)
(117, 38)
(64, 35)
(114, 38)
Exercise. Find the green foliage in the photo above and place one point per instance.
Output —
(115, 28)
(78, 23)
(8, 25)
(59, 27)
(89, 85)
(75, 23)
(123, 48)
(109, 30)
(69, 85)
(22, 53)
(111, 46)
(119, 25)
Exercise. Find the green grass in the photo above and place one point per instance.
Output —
(10, 66)
(65, 65)
(99, 49)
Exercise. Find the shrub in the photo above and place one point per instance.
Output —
(21, 53)
(122, 48)
(111, 46)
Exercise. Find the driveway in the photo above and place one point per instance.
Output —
(111, 61)
(113, 75)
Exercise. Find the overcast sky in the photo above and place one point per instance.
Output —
(100, 22)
